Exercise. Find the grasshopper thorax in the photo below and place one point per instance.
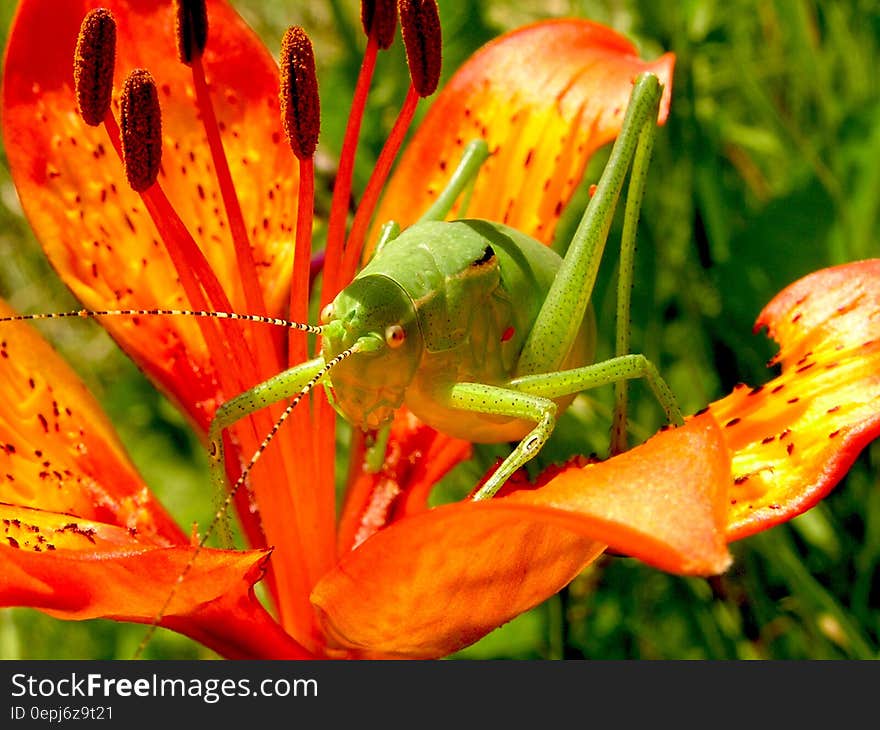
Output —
(377, 318)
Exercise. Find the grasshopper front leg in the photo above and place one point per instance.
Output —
(292, 382)
(297, 381)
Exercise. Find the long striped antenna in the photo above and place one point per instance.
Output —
(221, 511)
(97, 313)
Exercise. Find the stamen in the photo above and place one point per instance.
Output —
(300, 106)
(301, 119)
(333, 278)
(336, 224)
(379, 18)
(420, 25)
(227, 346)
(192, 29)
(192, 26)
(141, 130)
(94, 61)
(196, 275)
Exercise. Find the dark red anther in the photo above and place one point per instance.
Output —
(93, 64)
(192, 29)
(141, 130)
(300, 104)
(420, 26)
(379, 18)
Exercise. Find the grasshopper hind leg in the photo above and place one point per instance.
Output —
(532, 398)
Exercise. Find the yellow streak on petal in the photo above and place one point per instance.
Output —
(794, 438)
(44, 531)
(544, 97)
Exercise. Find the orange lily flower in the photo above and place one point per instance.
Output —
(84, 537)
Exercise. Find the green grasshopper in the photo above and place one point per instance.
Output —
(481, 331)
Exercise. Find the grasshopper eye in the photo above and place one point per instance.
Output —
(327, 313)
(394, 336)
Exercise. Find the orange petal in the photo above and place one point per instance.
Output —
(435, 582)
(94, 229)
(77, 569)
(82, 536)
(438, 581)
(544, 97)
(58, 451)
(663, 502)
(795, 437)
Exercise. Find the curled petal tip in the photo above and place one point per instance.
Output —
(795, 437)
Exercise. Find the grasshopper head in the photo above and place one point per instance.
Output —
(377, 316)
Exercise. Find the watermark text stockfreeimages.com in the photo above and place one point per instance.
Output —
(96, 685)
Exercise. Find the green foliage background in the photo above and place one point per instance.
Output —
(768, 168)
